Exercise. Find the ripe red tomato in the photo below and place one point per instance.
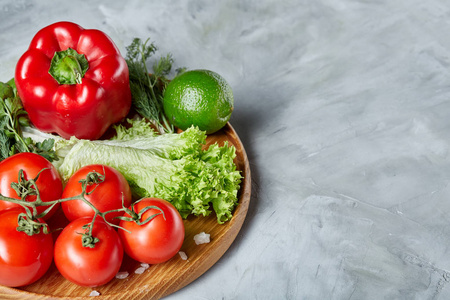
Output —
(158, 240)
(49, 182)
(88, 266)
(106, 196)
(23, 259)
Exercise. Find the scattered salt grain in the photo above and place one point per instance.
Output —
(122, 275)
(142, 268)
(202, 238)
(182, 255)
(94, 293)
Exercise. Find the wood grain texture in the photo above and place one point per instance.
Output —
(162, 279)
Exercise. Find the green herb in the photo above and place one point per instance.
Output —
(12, 117)
(45, 149)
(147, 89)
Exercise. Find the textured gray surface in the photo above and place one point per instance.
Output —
(343, 107)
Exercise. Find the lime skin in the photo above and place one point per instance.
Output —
(199, 98)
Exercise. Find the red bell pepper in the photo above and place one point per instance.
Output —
(73, 81)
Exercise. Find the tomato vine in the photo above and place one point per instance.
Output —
(28, 222)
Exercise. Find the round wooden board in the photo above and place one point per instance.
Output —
(166, 278)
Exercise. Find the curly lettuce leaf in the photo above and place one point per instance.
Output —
(132, 129)
(171, 166)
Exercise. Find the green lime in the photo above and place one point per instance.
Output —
(199, 97)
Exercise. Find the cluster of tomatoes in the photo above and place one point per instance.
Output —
(103, 222)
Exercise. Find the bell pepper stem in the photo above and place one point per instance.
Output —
(68, 66)
(72, 65)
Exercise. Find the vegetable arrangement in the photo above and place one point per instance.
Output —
(83, 130)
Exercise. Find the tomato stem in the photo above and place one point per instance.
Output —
(136, 217)
(30, 226)
(87, 240)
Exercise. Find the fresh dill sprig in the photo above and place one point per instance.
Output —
(147, 88)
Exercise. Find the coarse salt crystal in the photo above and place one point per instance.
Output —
(122, 275)
(183, 255)
(202, 238)
(142, 268)
(94, 293)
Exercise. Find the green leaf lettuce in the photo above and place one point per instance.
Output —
(170, 166)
